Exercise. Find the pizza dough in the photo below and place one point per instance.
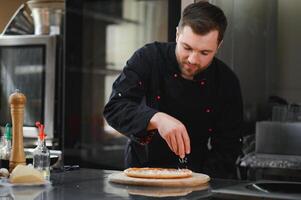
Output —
(158, 173)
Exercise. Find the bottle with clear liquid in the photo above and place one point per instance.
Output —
(41, 154)
(5, 151)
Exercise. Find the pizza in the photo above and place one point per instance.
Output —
(157, 173)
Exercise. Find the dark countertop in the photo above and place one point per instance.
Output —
(93, 184)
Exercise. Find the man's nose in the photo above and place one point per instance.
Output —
(193, 58)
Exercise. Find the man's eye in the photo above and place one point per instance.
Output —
(204, 53)
(186, 48)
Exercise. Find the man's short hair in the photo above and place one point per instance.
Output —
(204, 17)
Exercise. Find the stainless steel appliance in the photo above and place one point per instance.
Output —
(281, 138)
(28, 63)
(277, 152)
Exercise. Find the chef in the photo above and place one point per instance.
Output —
(177, 100)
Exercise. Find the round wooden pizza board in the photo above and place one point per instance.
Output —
(195, 180)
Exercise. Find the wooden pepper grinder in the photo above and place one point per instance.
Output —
(17, 101)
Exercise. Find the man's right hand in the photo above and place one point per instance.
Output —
(172, 131)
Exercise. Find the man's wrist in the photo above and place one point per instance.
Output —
(153, 122)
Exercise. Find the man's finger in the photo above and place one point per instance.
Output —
(186, 140)
(181, 147)
(174, 143)
(167, 139)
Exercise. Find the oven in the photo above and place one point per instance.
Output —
(29, 63)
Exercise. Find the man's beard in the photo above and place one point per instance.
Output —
(187, 72)
(183, 70)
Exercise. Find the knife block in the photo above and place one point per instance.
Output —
(17, 102)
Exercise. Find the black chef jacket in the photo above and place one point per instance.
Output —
(210, 107)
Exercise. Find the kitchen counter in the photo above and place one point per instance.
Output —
(93, 184)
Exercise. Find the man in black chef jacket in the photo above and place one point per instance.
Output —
(176, 100)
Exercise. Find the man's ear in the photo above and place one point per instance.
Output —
(177, 33)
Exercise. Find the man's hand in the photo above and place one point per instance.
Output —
(172, 131)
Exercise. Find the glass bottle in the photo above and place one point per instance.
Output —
(2, 143)
(6, 149)
(41, 154)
